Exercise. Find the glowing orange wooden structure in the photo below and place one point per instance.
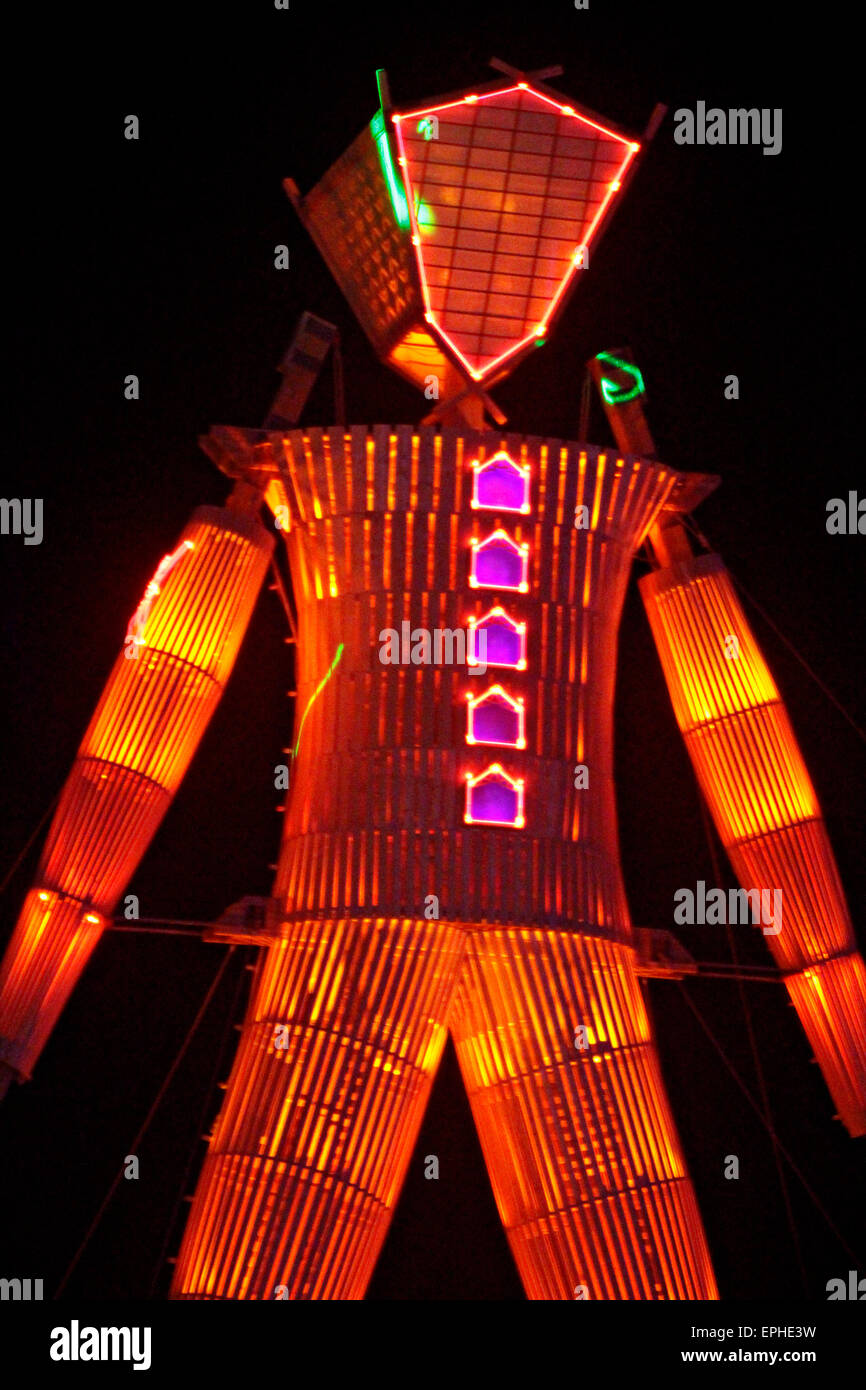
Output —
(752, 775)
(765, 809)
(306, 1159)
(430, 878)
(166, 684)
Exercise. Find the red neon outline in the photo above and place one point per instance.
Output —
(516, 627)
(518, 705)
(540, 329)
(520, 547)
(516, 783)
(478, 468)
(564, 110)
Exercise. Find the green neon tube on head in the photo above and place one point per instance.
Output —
(395, 190)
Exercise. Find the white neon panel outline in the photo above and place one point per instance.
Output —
(497, 538)
(496, 771)
(483, 622)
(497, 693)
(498, 460)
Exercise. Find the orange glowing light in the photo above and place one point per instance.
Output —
(146, 728)
(591, 1131)
(764, 806)
(312, 1142)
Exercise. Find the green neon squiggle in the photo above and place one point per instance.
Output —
(316, 693)
(612, 392)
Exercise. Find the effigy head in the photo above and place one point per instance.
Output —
(458, 229)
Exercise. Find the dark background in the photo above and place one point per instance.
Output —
(156, 258)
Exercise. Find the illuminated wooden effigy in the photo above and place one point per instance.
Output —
(449, 857)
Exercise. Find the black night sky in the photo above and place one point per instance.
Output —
(156, 258)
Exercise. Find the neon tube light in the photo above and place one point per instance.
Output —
(504, 724)
(501, 470)
(499, 628)
(613, 393)
(138, 621)
(494, 798)
(493, 563)
(316, 693)
(505, 91)
(398, 199)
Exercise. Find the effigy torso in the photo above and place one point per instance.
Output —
(381, 536)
